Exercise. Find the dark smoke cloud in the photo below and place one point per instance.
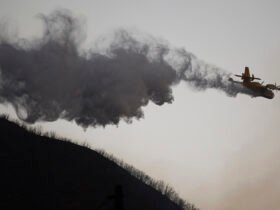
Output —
(52, 77)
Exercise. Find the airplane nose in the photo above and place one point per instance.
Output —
(268, 94)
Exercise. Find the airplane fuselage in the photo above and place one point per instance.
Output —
(258, 89)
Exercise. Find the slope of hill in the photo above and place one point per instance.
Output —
(39, 172)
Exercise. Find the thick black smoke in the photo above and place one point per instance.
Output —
(52, 77)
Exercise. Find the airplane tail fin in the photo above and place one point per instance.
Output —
(247, 71)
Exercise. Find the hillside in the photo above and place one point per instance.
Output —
(39, 172)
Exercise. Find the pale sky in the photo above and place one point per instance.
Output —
(218, 152)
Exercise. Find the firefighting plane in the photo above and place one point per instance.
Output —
(257, 89)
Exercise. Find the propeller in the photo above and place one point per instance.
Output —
(273, 86)
(277, 87)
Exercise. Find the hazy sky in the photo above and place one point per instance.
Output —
(217, 151)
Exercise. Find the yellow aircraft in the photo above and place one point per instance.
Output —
(256, 88)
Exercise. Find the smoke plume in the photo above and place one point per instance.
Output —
(53, 77)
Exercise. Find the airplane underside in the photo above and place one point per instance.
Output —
(254, 91)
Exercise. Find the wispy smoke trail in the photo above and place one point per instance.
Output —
(52, 77)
